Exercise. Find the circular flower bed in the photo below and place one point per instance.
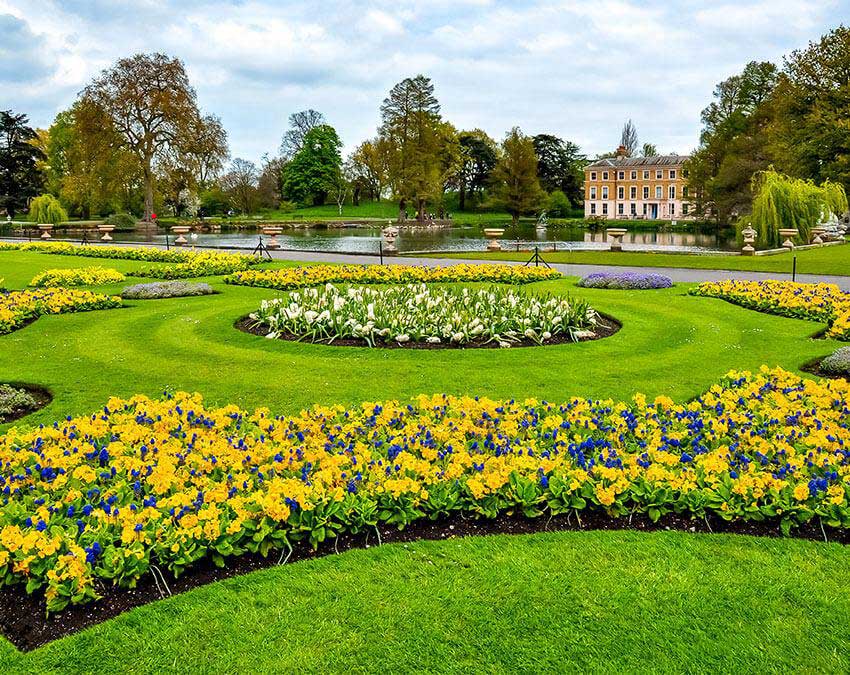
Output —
(420, 314)
(638, 281)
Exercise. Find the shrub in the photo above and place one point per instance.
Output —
(165, 289)
(638, 281)
(171, 482)
(421, 314)
(558, 205)
(19, 307)
(837, 363)
(47, 209)
(80, 276)
(122, 221)
(14, 400)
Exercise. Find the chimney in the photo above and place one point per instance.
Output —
(621, 152)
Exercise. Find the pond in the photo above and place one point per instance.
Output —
(365, 239)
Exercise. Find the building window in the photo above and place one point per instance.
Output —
(621, 192)
(658, 192)
(634, 175)
(592, 175)
(593, 209)
(633, 192)
(646, 175)
(644, 209)
(620, 208)
(604, 208)
(672, 192)
(593, 192)
(684, 209)
(672, 173)
(604, 192)
(659, 173)
(621, 175)
(673, 209)
(684, 191)
(604, 175)
(633, 209)
(646, 192)
(685, 173)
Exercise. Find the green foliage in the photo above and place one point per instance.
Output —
(47, 209)
(784, 202)
(517, 186)
(560, 166)
(122, 221)
(20, 178)
(214, 200)
(558, 206)
(314, 169)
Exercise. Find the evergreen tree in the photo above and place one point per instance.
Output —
(517, 187)
(20, 179)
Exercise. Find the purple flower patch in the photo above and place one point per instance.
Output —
(638, 281)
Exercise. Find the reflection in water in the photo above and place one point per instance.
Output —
(456, 239)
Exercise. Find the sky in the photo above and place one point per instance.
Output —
(578, 70)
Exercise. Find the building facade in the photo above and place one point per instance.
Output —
(638, 188)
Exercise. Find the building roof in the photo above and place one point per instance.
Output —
(655, 160)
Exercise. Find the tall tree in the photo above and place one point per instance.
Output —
(648, 150)
(811, 135)
(478, 157)
(151, 104)
(300, 124)
(515, 176)
(270, 182)
(629, 138)
(240, 184)
(314, 170)
(20, 179)
(205, 150)
(368, 167)
(560, 166)
(410, 118)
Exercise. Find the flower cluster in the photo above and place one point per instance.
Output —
(19, 307)
(188, 263)
(639, 281)
(165, 289)
(826, 303)
(314, 275)
(417, 313)
(79, 276)
(168, 482)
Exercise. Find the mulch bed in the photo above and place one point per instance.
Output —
(814, 368)
(24, 622)
(606, 326)
(41, 395)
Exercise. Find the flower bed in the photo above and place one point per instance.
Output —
(81, 276)
(19, 307)
(143, 482)
(417, 313)
(187, 263)
(837, 363)
(825, 303)
(14, 401)
(159, 290)
(314, 275)
(638, 281)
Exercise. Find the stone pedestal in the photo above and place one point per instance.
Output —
(788, 233)
(106, 232)
(388, 235)
(271, 232)
(493, 235)
(46, 229)
(749, 235)
(181, 231)
(817, 235)
(616, 235)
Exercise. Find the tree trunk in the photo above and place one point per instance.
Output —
(402, 210)
(461, 203)
(148, 178)
(515, 218)
(420, 216)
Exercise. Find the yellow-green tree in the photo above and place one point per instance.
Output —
(517, 186)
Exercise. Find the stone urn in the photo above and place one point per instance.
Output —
(271, 231)
(616, 235)
(389, 234)
(493, 235)
(749, 235)
(181, 231)
(106, 231)
(46, 229)
(817, 234)
(789, 233)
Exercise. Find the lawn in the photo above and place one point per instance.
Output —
(598, 600)
(829, 260)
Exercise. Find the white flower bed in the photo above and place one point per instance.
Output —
(414, 313)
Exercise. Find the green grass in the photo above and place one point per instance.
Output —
(829, 260)
(594, 600)
(601, 601)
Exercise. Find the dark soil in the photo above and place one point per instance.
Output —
(41, 395)
(814, 368)
(606, 326)
(25, 623)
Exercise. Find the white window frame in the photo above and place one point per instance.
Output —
(659, 174)
(620, 210)
(659, 192)
(633, 209)
(646, 192)
(672, 174)
(621, 192)
(646, 174)
(634, 175)
(604, 192)
(633, 192)
(621, 175)
(604, 175)
(593, 192)
(672, 192)
(672, 208)
(592, 175)
(684, 209)
(604, 208)
(593, 209)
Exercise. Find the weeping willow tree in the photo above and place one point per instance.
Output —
(47, 209)
(783, 202)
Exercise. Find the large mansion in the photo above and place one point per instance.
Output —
(652, 188)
